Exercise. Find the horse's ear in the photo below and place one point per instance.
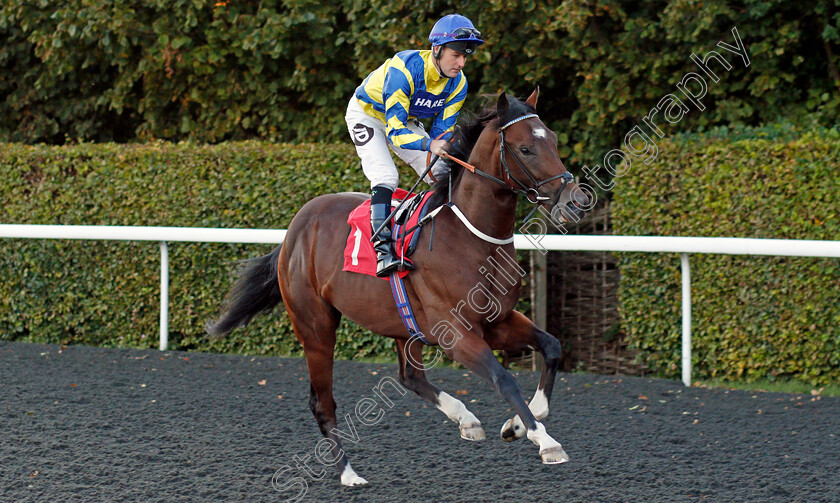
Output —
(502, 105)
(532, 100)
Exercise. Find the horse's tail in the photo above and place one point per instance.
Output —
(256, 290)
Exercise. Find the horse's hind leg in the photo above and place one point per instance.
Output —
(315, 323)
(413, 376)
(518, 333)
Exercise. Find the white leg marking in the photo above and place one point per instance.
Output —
(350, 478)
(455, 409)
(538, 407)
(551, 451)
(457, 412)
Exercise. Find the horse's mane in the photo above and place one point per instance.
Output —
(466, 135)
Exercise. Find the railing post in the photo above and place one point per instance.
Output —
(164, 296)
(686, 319)
(539, 266)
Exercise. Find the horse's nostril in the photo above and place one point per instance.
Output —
(575, 210)
(582, 200)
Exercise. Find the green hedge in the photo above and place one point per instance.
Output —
(284, 70)
(107, 293)
(752, 317)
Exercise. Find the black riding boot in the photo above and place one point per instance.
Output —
(386, 262)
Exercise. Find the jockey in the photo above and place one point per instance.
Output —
(385, 109)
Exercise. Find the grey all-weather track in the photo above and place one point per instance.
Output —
(93, 424)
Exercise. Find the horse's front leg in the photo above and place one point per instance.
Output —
(518, 333)
(413, 376)
(474, 353)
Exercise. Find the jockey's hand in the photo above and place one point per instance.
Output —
(438, 147)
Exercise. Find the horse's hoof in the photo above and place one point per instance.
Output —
(353, 481)
(350, 478)
(512, 430)
(554, 456)
(472, 432)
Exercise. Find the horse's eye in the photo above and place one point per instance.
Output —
(524, 150)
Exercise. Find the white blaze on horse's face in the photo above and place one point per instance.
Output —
(539, 132)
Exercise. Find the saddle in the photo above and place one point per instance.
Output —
(359, 256)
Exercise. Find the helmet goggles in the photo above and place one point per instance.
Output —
(457, 30)
(460, 33)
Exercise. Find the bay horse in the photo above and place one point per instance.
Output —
(452, 289)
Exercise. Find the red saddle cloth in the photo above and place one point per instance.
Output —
(358, 253)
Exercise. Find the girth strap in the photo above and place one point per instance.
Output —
(404, 308)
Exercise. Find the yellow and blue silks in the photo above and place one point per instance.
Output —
(406, 87)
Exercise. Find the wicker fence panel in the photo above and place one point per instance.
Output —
(583, 308)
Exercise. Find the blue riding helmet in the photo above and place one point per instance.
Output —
(456, 32)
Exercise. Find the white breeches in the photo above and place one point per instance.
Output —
(372, 145)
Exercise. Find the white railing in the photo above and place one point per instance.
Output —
(160, 234)
(552, 242)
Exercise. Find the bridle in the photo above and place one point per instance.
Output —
(531, 193)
